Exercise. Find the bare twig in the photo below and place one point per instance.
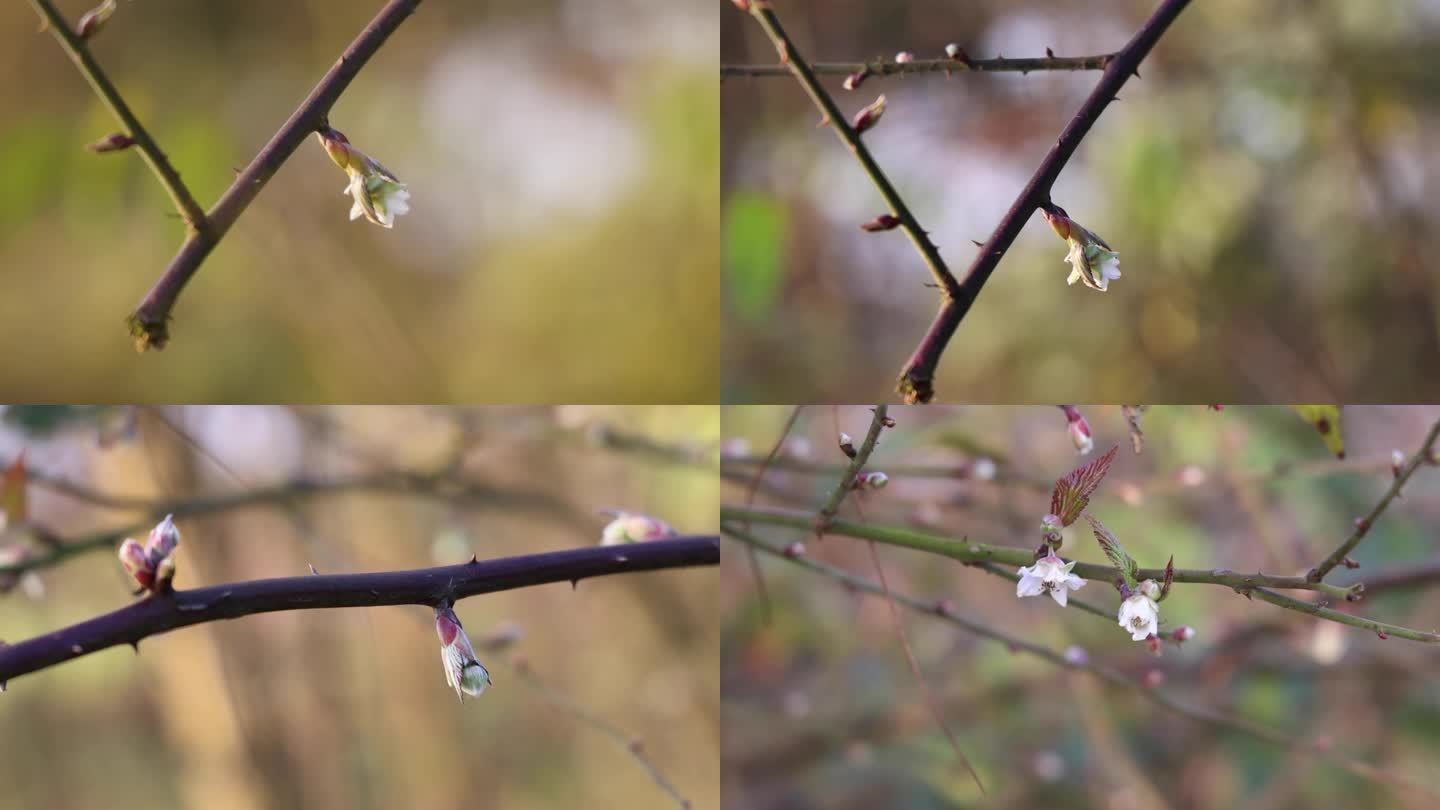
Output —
(149, 323)
(1425, 455)
(883, 67)
(917, 380)
(413, 484)
(1108, 674)
(754, 558)
(421, 586)
(79, 53)
(632, 745)
(791, 58)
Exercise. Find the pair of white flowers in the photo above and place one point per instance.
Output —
(379, 197)
(1139, 613)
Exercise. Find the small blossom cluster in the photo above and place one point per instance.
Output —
(152, 565)
(633, 527)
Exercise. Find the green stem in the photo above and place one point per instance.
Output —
(852, 471)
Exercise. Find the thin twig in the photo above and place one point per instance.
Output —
(755, 569)
(149, 323)
(632, 745)
(791, 58)
(1425, 455)
(411, 484)
(968, 551)
(917, 380)
(882, 67)
(421, 586)
(1204, 714)
(79, 52)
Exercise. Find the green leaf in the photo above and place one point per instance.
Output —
(754, 245)
(1123, 562)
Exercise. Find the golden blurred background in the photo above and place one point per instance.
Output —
(562, 159)
(349, 707)
(822, 710)
(1268, 184)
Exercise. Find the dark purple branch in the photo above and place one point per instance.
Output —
(917, 381)
(422, 586)
(149, 323)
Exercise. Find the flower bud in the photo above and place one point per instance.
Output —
(94, 19)
(870, 116)
(847, 445)
(884, 222)
(1183, 633)
(378, 195)
(632, 527)
(1050, 529)
(872, 480)
(1092, 261)
(463, 672)
(1150, 588)
(904, 58)
(111, 143)
(1079, 429)
(855, 79)
(152, 565)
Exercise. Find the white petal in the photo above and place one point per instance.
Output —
(1060, 595)
(1074, 582)
(356, 211)
(1029, 586)
(1074, 277)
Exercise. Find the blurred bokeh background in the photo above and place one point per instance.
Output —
(1267, 185)
(562, 159)
(349, 708)
(821, 709)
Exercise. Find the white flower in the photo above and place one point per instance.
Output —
(463, 672)
(1091, 260)
(378, 195)
(1051, 575)
(1140, 615)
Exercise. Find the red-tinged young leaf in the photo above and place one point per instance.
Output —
(1114, 551)
(12, 491)
(1169, 578)
(1072, 493)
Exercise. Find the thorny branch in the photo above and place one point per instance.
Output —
(421, 586)
(79, 53)
(852, 471)
(1112, 676)
(882, 67)
(791, 58)
(1425, 455)
(149, 323)
(917, 380)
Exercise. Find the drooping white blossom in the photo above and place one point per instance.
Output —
(1051, 575)
(1091, 260)
(377, 194)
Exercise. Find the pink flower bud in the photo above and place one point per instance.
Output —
(884, 222)
(111, 143)
(463, 671)
(855, 79)
(904, 58)
(1183, 633)
(633, 527)
(870, 116)
(847, 445)
(132, 557)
